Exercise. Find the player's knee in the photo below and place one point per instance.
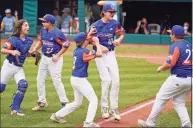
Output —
(178, 103)
(77, 103)
(22, 86)
(2, 87)
(106, 81)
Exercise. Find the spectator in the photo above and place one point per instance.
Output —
(96, 11)
(66, 22)
(9, 21)
(142, 27)
(186, 27)
(57, 17)
(88, 15)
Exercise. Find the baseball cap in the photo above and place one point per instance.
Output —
(109, 7)
(178, 30)
(48, 18)
(7, 10)
(80, 37)
(66, 10)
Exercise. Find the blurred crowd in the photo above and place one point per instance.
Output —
(70, 24)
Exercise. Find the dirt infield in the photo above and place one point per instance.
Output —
(130, 115)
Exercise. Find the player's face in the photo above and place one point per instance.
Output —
(8, 14)
(109, 14)
(25, 28)
(45, 24)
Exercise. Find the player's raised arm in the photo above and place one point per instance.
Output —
(120, 32)
(8, 49)
(38, 44)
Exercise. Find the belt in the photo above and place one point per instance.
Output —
(48, 55)
(181, 76)
(111, 49)
(11, 62)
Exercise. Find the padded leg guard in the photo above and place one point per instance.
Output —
(18, 98)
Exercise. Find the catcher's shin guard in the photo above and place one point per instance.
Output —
(18, 98)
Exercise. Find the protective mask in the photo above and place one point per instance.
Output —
(185, 28)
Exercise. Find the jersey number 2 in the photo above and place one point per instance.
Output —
(187, 61)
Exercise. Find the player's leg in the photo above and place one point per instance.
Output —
(22, 86)
(70, 107)
(41, 78)
(7, 71)
(114, 92)
(86, 89)
(179, 101)
(55, 70)
(105, 83)
(168, 90)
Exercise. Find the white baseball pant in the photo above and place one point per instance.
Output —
(81, 88)
(176, 88)
(47, 66)
(9, 70)
(109, 72)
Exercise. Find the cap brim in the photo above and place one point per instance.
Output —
(42, 19)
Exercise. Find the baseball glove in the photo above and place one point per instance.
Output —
(37, 56)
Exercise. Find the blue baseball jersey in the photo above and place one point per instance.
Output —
(16, 43)
(9, 24)
(53, 41)
(107, 31)
(180, 57)
(81, 58)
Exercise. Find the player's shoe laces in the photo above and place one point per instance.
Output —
(91, 125)
(143, 124)
(40, 106)
(17, 112)
(105, 112)
(115, 114)
(57, 119)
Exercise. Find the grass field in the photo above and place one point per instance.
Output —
(139, 81)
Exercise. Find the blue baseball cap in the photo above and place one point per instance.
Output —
(109, 7)
(80, 37)
(48, 18)
(7, 10)
(178, 30)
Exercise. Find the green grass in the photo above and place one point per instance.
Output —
(171, 119)
(139, 81)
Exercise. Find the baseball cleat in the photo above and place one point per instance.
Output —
(105, 113)
(57, 119)
(40, 106)
(17, 112)
(90, 125)
(115, 114)
(143, 124)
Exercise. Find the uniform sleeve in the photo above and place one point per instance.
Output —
(174, 53)
(62, 40)
(10, 44)
(119, 29)
(88, 55)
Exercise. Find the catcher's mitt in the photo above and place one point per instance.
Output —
(37, 56)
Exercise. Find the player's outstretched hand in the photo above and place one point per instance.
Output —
(159, 69)
(15, 53)
(116, 42)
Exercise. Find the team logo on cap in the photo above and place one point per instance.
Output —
(112, 7)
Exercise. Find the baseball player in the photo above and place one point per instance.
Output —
(106, 29)
(79, 83)
(178, 84)
(54, 44)
(115, 2)
(17, 47)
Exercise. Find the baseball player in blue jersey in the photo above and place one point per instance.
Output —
(54, 44)
(17, 47)
(178, 84)
(79, 83)
(106, 29)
